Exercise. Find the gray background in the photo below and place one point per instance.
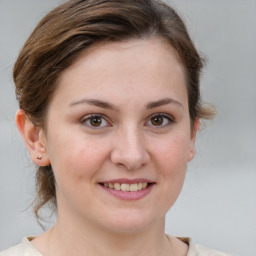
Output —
(217, 206)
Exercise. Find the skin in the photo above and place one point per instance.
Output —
(138, 80)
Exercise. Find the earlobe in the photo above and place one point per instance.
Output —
(193, 139)
(33, 137)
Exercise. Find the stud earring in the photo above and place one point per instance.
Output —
(39, 157)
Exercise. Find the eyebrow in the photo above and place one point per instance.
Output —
(158, 103)
(107, 105)
(94, 102)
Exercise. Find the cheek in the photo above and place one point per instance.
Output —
(172, 154)
(87, 160)
(76, 165)
(171, 160)
(76, 158)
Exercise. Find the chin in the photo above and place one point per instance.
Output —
(130, 222)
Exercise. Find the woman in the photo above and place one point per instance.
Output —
(109, 110)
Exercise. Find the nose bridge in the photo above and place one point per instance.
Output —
(129, 148)
(133, 140)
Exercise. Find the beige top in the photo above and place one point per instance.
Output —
(25, 248)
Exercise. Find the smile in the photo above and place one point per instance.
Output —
(127, 187)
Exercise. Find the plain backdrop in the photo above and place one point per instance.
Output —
(217, 206)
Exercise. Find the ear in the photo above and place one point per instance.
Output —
(193, 139)
(34, 139)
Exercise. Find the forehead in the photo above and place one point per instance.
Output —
(138, 63)
(151, 48)
(155, 51)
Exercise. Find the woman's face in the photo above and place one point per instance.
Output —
(119, 136)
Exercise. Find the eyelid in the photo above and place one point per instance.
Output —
(89, 116)
(170, 118)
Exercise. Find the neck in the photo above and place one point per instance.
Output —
(72, 238)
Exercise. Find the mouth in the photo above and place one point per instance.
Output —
(134, 187)
(128, 190)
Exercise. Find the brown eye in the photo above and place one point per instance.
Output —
(96, 121)
(160, 120)
(157, 120)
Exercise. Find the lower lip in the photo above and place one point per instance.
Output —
(134, 195)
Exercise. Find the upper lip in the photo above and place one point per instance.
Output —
(128, 181)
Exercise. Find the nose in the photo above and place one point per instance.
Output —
(129, 150)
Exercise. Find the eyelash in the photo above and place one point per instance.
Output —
(90, 117)
(167, 120)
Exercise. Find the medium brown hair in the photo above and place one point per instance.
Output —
(64, 33)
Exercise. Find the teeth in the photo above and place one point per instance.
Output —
(127, 187)
(117, 186)
(134, 187)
